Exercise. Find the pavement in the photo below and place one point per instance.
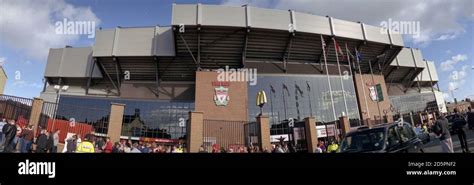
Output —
(435, 147)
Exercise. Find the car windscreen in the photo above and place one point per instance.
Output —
(366, 141)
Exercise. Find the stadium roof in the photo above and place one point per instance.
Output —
(213, 36)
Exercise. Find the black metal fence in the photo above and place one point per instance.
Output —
(15, 108)
(230, 134)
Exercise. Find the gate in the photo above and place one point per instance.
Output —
(16, 108)
(292, 132)
(235, 135)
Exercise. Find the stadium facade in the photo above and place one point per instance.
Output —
(308, 66)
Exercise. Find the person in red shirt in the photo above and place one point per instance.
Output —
(107, 148)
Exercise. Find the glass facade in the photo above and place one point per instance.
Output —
(81, 111)
(300, 96)
(142, 118)
(418, 102)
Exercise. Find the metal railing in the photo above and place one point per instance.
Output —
(15, 108)
(230, 134)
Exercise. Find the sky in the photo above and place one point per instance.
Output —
(27, 31)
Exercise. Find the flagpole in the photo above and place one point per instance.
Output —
(363, 85)
(350, 73)
(327, 74)
(297, 103)
(284, 100)
(373, 83)
(271, 103)
(337, 48)
(309, 96)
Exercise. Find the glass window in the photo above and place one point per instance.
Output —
(406, 132)
(300, 96)
(142, 118)
(392, 136)
(418, 102)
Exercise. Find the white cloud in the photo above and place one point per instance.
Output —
(457, 78)
(28, 26)
(449, 64)
(459, 75)
(439, 19)
(446, 96)
(2, 61)
(455, 85)
(23, 83)
(447, 37)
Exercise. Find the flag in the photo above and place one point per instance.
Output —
(285, 87)
(298, 89)
(338, 49)
(358, 55)
(272, 89)
(349, 52)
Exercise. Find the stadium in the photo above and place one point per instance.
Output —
(321, 76)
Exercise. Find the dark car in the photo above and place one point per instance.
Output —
(423, 135)
(391, 138)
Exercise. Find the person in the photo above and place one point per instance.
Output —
(78, 139)
(332, 148)
(42, 142)
(127, 147)
(418, 129)
(441, 130)
(108, 146)
(278, 148)
(55, 141)
(100, 144)
(50, 142)
(459, 126)
(71, 144)
(215, 148)
(26, 139)
(135, 148)
(10, 131)
(318, 150)
(3, 122)
(470, 118)
(292, 148)
(16, 138)
(322, 146)
(202, 150)
(116, 148)
(85, 146)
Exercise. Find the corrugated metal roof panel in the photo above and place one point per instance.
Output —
(312, 24)
(270, 19)
(71, 63)
(377, 34)
(347, 29)
(104, 41)
(212, 16)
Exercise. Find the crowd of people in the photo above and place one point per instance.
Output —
(459, 125)
(15, 138)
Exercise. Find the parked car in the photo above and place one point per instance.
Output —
(389, 137)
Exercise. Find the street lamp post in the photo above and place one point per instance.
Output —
(452, 94)
(58, 89)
